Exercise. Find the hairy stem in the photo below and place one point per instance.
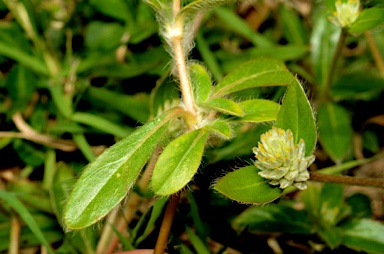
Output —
(176, 7)
(375, 51)
(169, 214)
(180, 59)
(332, 69)
(185, 84)
(349, 180)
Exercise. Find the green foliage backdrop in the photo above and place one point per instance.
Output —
(101, 124)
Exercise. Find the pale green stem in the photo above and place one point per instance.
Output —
(14, 236)
(337, 169)
(348, 180)
(332, 69)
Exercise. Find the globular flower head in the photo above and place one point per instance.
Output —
(282, 161)
(346, 13)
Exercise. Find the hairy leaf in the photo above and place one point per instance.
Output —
(296, 114)
(245, 185)
(258, 110)
(201, 82)
(220, 128)
(254, 73)
(106, 180)
(178, 163)
(225, 106)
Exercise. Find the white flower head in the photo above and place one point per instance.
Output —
(282, 161)
(346, 13)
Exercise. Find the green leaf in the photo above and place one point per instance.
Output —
(103, 36)
(114, 8)
(331, 204)
(238, 25)
(23, 58)
(364, 235)
(370, 141)
(63, 103)
(220, 128)
(239, 146)
(357, 84)
(292, 26)
(21, 83)
(225, 106)
(26, 216)
(208, 57)
(83, 145)
(202, 228)
(100, 123)
(28, 153)
(164, 95)
(368, 19)
(231, 60)
(178, 163)
(323, 45)
(4, 142)
(95, 61)
(198, 6)
(199, 245)
(246, 186)
(330, 4)
(360, 205)
(274, 218)
(258, 110)
(32, 195)
(106, 180)
(134, 106)
(311, 199)
(129, 70)
(62, 127)
(145, 24)
(49, 169)
(156, 212)
(296, 114)
(332, 236)
(254, 73)
(335, 131)
(201, 82)
(183, 249)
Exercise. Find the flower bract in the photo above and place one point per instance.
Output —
(281, 161)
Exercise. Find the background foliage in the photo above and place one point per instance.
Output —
(78, 76)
